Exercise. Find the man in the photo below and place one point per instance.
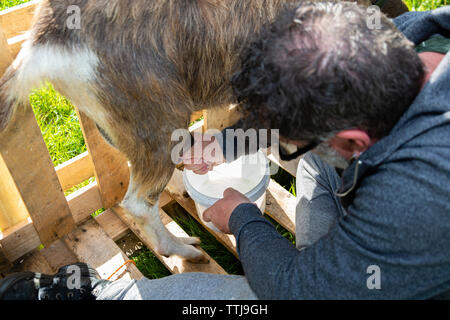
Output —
(376, 108)
(381, 229)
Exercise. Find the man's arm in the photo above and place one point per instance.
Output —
(380, 250)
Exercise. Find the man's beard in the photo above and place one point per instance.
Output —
(331, 156)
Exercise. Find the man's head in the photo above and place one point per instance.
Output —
(320, 73)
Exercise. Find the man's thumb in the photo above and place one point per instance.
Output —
(229, 192)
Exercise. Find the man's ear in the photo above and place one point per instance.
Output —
(351, 142)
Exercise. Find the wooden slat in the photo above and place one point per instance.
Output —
(26, 156)
(12, 207)
(289, 166)
(75, 171)
(23, 238)
(221, 117)
(15, 44)
(174, 264)
(6, 57)
(35, 262)
(91, 245)
(165, 199)
(18, 19)
(110, 165)
(5, 265)
(84, 202)
(196, 115)
(58, 255)
(280, 205)
(19, 240)
(112, 224)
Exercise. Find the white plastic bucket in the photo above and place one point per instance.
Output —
(249, 175)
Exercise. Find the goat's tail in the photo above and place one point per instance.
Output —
(15, 86)
(8, 98)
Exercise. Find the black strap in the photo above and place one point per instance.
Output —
(379, 3)
(288, 157)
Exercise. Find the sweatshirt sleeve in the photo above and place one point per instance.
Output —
(275, 269)
(357, 259)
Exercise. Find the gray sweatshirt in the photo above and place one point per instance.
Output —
(398, 215)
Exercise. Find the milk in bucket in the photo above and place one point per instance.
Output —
(248, 174)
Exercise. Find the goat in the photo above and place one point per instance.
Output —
(138, 69)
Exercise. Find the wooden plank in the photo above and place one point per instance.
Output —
(34, 262)
(6, 57)
(26, 156)
(23, 151)
(110, 165)
(12, 207)
(196, 115)
(19, 240)
(91, 245)
(221, 117)
(281, 205)
(75, 171)
(112, 225)
(5, 264)
(289, 166)
(23, 238)
(15, 44)
(84, 202)
(165, 199)
(18, 19)
(174, 263)
(58, 255)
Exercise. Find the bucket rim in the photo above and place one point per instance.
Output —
(254, 194)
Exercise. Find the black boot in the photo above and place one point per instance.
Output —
(73, 282)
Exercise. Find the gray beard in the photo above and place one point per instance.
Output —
(331, 156)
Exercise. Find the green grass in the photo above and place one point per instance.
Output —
(423, 5)
(59, 124)
(63, 137)
(149, 265)
(5, 4)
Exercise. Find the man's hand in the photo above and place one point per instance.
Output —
(204, 154)
(219, 214)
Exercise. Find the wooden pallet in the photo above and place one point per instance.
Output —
(35, 213)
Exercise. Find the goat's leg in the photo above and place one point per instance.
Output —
(146, 214)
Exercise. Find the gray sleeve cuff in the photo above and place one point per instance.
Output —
(244, 215)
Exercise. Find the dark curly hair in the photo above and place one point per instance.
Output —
(319, 69)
